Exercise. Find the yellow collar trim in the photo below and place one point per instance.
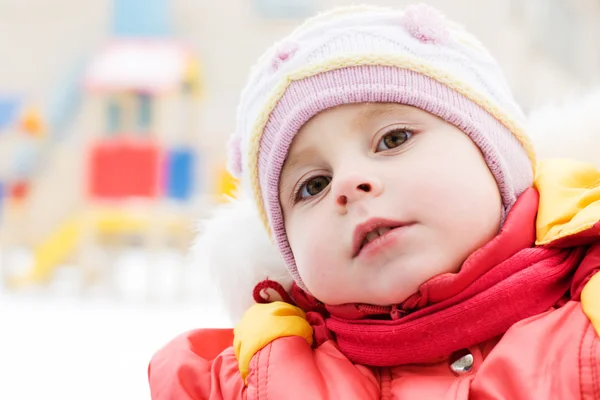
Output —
(569, 199)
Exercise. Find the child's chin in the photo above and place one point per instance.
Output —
(387, 297)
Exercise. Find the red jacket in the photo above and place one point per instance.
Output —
(552, 355)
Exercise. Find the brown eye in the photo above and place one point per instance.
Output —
(313, 186)
(393, 139)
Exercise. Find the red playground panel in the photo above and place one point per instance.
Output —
(122, 168)
(19, 190)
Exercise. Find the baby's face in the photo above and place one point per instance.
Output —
(379, 198)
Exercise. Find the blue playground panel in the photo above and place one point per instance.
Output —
(66, 98)
(9, 108)
(180, 174)
(142, 18)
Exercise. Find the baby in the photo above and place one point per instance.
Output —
(431, 255)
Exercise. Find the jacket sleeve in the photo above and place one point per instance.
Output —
(198, 365)
(214, 364)
(273, 346)
(272, 358)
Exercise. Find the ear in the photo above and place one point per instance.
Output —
(236, 251)
(570, 129)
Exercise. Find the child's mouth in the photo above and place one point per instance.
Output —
(375, 234)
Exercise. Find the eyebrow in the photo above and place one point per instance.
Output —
(291, 163)
(299, 157)
(364, 116)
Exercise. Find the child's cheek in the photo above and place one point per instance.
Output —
(313, 247)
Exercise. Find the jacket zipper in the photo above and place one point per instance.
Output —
(385, 383)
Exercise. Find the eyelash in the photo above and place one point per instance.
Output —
(298, 189)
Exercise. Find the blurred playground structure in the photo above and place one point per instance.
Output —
(116, 163)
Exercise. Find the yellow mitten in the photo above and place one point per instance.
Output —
(262, 324)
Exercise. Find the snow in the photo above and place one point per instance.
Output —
(56, 343)
(70, 349)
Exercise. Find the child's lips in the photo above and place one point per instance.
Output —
(374, 234)
(382, 242)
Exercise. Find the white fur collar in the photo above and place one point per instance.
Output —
(568, 130)
(237, 254)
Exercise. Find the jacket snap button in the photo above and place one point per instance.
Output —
(462, 365)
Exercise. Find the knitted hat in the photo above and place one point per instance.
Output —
(367, 54)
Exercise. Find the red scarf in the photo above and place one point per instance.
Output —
(504, 282)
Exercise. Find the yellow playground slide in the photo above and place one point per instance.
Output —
(61, 244)
(51, 253)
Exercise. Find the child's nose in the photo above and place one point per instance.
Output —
(351, 188)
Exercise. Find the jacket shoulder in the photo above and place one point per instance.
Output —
(196, 365)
